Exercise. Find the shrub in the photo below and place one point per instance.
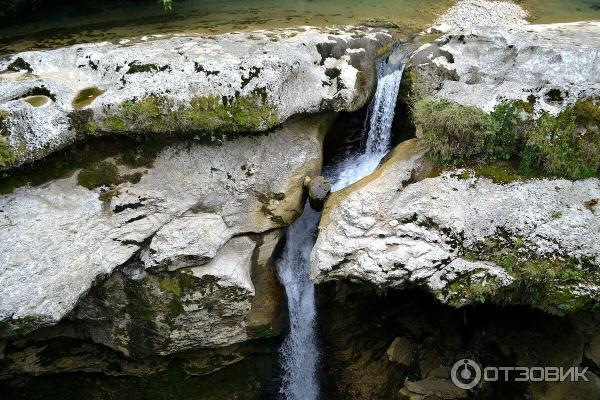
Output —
(453, 132)
(565, 145)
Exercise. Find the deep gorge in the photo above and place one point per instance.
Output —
(301, 213)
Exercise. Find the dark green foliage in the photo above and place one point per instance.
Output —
(566, 145)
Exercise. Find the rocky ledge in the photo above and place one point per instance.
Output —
(180, 243)
(463, 237)
(547, 66)
(237, 82)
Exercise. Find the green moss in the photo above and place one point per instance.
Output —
(19, 327)
(567, 145)
(115, 124)
(85, 97)
(82, 121)
(385, 50)
(551, 284)
(208, 115)
(102, 174)
(84, 154)
(171, 285)
(502, 172)
(7, 155)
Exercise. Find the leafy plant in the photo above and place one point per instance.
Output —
(167, 4)
(566, 145)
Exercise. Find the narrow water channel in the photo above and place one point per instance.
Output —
(300, 350)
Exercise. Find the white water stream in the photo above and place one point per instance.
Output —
(300, 351)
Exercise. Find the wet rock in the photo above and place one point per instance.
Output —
(432, 388)
(401, 351)
(59, 239)
(209, 86)
(547, 66)
(359, 322)
(318, 190)
(464, 238)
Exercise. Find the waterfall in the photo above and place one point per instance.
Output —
(300, 352)
(381, 116)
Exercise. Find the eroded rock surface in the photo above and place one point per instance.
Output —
(237, 82)
(548, 66)
(60, 238)
(462, 237)
(232, 298)
(469, 13)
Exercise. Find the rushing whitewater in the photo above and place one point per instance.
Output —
(300, 351)
(379, 137)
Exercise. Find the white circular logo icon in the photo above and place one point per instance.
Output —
(465, 374)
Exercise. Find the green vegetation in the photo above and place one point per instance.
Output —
(102, 174)
(208, 114)
(82, 121)
(8, 155)
(105, 174)
(134, 153)
(115, 124)
(171, 285)
(167, 4)
(566, 145)
(550, 284)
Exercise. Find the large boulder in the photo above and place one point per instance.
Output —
(232, 298)
(236, 82)
(194, 207)
(547, 66)
(463, 237)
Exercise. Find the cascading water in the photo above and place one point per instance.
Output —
(381, 116)
(300, 352)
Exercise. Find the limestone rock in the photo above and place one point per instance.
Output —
(59, 238)
(432, 388)
(468, 13)
(236, 82)
(201, 306)
(318, 190)
(548, 66)
(436, 232)
(401, 351)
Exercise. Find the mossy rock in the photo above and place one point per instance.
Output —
(551, 284)
(566, 145)
(207, 115)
